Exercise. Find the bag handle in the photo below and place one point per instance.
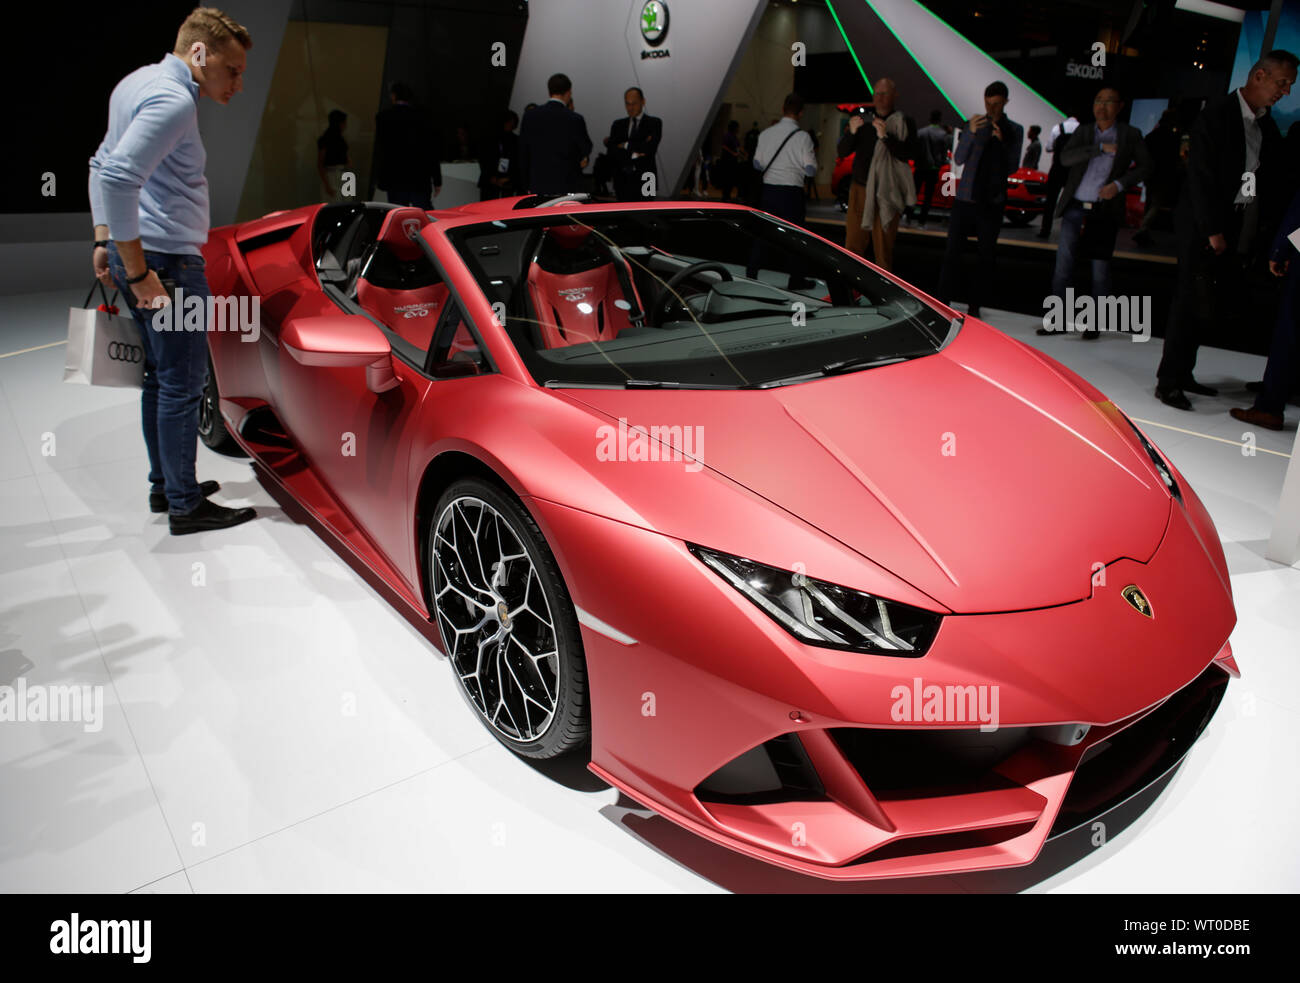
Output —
(102, 292)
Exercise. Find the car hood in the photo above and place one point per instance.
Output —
(978, 474)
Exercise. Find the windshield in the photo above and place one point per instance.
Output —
(689, 297)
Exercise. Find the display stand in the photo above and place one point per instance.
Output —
(1284, 544)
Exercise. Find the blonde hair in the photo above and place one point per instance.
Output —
(213, 27)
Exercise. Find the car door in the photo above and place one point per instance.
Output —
(357, 442)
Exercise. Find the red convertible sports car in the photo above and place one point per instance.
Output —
(793, 554)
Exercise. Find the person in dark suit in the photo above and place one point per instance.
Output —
(553, 142)
(498, 163)
(633, 142)
(1229, 203)
(406, 151)
(1105, 159)
(1282, 373)
(988, 149)
(1033, 148)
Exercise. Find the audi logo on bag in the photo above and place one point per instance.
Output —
(121, 352)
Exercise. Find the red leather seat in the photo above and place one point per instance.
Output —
(410, 310)
(576, 289)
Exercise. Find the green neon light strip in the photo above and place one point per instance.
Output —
(847, 44)
(959, 34)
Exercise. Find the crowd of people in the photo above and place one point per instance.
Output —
(1232, 184)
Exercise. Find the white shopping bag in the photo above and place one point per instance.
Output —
(104, 347)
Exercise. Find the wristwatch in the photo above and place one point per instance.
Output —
(99, 242)
(133, 280)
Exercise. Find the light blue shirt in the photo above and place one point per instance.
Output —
(1098, 173)
(146, 178)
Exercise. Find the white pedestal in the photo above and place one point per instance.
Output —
(1284, 544)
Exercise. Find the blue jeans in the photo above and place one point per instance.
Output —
(1280, 374)
(1067, 247)
(175, 368)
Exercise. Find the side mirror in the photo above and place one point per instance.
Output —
(342, 341)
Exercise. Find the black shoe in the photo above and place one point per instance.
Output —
(1090, 335)
(1142, 238)
(1044, 235)
(1045, 331)
(158, 500)
(1173, 397)
(1192, 386)
(207, 516)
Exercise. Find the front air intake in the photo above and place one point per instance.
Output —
(775, 771)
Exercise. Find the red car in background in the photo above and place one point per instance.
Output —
(1026, 188)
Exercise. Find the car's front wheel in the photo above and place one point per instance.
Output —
(508, 626)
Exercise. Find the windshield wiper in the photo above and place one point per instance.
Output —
(834, 368)
(665, 384)
(853, 364)
(635, 384)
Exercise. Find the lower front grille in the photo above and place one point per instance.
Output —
(1127, 762)
(917, 762)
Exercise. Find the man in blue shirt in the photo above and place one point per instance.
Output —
(149, 203)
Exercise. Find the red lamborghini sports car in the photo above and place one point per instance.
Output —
(791, 553)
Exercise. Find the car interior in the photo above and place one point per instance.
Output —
(368, 253)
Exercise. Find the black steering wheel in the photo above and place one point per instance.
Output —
(669, 295)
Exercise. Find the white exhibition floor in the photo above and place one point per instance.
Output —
(228, 760)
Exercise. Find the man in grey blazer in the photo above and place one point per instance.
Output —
(1105, 158)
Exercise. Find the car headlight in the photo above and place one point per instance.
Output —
(820, 613)
(1161, 467)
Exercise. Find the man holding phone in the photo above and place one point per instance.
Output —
(988, 150)
(867, 128)
(149, 203)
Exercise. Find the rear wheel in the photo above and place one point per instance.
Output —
(212, 428)
(508, 627)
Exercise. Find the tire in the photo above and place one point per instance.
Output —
(212, 428)
(494, 637)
